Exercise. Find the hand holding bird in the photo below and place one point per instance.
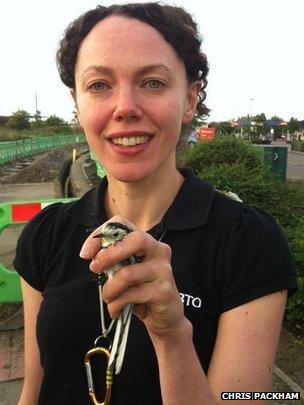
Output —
(148, 285)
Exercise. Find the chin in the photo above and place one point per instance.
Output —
(130, 174)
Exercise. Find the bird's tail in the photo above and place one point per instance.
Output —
(120, 339)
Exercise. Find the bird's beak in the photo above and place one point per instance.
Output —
(100, 235)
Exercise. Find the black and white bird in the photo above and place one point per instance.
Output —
(111, 233)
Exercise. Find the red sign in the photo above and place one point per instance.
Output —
(206, 134)
(24, 212)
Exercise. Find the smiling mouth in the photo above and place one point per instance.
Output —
(131, 141)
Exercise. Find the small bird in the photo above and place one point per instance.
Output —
(111, 233)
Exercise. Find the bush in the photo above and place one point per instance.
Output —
(234, 165)
(222, 150)
(297, 145)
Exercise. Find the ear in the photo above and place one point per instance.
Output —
(73, 94)
(191, 101)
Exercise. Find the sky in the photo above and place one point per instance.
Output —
(254, 49)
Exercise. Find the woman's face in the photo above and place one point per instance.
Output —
(132, 97)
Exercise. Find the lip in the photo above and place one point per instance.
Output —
(128, 134)
(131, 150)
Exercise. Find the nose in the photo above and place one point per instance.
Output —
(127, 106)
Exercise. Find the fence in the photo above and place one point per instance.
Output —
(12, 213)
(12, 150)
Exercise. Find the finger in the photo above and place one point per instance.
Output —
(134, 295)
(137, 243)
(129, 276)
(91, 245)
(158, 295)
(118, 218)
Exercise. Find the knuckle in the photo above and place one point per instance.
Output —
(167, 268)
(138, 236)
(126, 275)
(166, 288)
(167, 252)
(116, 218)
(138, 239)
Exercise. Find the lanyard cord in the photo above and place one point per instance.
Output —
(104, 330)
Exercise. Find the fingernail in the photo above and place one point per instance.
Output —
(85, 252)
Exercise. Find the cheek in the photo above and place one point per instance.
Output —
(93, 119)
(170, 120)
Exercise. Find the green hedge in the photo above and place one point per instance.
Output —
(235, 165)
(297, 145)
(7, 134)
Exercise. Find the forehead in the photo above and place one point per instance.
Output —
(125, 41)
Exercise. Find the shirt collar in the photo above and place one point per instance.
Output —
(190, 208)
(192, 203)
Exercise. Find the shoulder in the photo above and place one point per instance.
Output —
(229, 212)
(46, 219)
(62, 214)
(245, 228)
(34, 244)
(253, 256)
(239, 219)
(41, 239)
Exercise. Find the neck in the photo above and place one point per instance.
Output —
(145, 202)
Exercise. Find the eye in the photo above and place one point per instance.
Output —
(116, 234)
(155, 84)
(98, 86)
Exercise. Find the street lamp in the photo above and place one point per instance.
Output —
(251, 104)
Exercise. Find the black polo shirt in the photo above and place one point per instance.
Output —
(224, 254)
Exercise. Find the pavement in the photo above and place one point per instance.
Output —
(288, 373)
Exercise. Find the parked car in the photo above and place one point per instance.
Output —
(193, 139)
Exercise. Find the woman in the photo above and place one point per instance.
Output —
(209, 297)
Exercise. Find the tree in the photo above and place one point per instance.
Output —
(38, 123)
(293, 126)
(3, 120)
(278, 130)
(224, 128)
(19, 120)
(259, 127)
(54, 121)
(244, 124)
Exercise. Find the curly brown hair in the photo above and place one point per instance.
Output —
(174, 23)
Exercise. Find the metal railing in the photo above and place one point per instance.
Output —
(13, 149)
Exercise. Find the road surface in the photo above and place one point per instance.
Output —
(295, 162)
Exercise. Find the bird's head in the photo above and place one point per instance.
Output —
(112, 232)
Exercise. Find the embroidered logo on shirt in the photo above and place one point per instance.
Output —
(189, 300)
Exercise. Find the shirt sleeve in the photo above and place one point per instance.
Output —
(254, 258)
(33, 246)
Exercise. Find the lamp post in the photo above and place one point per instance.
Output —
(251, 126)
(251, 104)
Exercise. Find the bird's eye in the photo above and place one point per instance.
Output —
(116, 234)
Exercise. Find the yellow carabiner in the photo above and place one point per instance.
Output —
(109, 375)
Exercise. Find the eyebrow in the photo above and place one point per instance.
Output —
(143, 70)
